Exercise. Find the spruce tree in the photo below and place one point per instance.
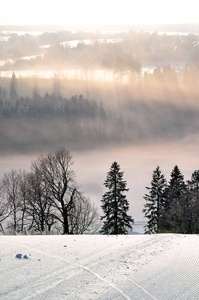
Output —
(176, 198)
(177, 185)
(115, 204)
(155, 201)
(193, 184)
(192, 214)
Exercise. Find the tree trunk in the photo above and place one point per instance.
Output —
(15, 218)
(22, 219)
(116, 207)
(65, 223)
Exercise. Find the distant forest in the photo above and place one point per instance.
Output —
(82, 113)
(41, 122)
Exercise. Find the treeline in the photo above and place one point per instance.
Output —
(35, 123)
(51, 105)
(173, 206)
(47, 199)
(160, 84)
(30, 124)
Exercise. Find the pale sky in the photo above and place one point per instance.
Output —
(61, 12)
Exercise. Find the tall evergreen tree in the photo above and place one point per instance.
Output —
(115, 204)
(192, 215)
(194, 184)
(173, 210)
(177, 185)
(155, 201)
(13, 88)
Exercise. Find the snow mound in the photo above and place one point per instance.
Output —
(100, 267)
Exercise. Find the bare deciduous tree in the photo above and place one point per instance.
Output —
(38, 205)
(4, 212)
(69, 204)
(23, 190)
(10, 196)
(83, 216)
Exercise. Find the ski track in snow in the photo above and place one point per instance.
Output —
(106, 281)
(142, 267)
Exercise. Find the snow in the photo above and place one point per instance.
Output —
(164, 266)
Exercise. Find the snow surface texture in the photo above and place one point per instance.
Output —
(99, 267)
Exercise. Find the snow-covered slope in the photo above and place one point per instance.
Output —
(99, 267)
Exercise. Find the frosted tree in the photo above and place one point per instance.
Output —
(115, 204)
(155, 201)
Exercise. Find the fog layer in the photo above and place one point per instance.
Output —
(139, 120)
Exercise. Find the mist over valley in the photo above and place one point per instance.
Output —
(130, 97)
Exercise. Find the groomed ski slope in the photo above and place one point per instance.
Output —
(99, 267)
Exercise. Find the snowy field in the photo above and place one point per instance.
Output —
(142, 267)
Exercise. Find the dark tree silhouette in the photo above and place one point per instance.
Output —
(10, 196)
(192, 219)
(115, 204)
(13, 88)
(59, 178)
(155, 200)
(39, 209)
(172, 217)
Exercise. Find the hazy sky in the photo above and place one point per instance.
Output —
(61, 12)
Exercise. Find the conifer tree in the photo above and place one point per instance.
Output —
(174, 206)
(192, 197)
(155, 201)
(13, 88)
(115, 204)
(193, 184)
(177, 185)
